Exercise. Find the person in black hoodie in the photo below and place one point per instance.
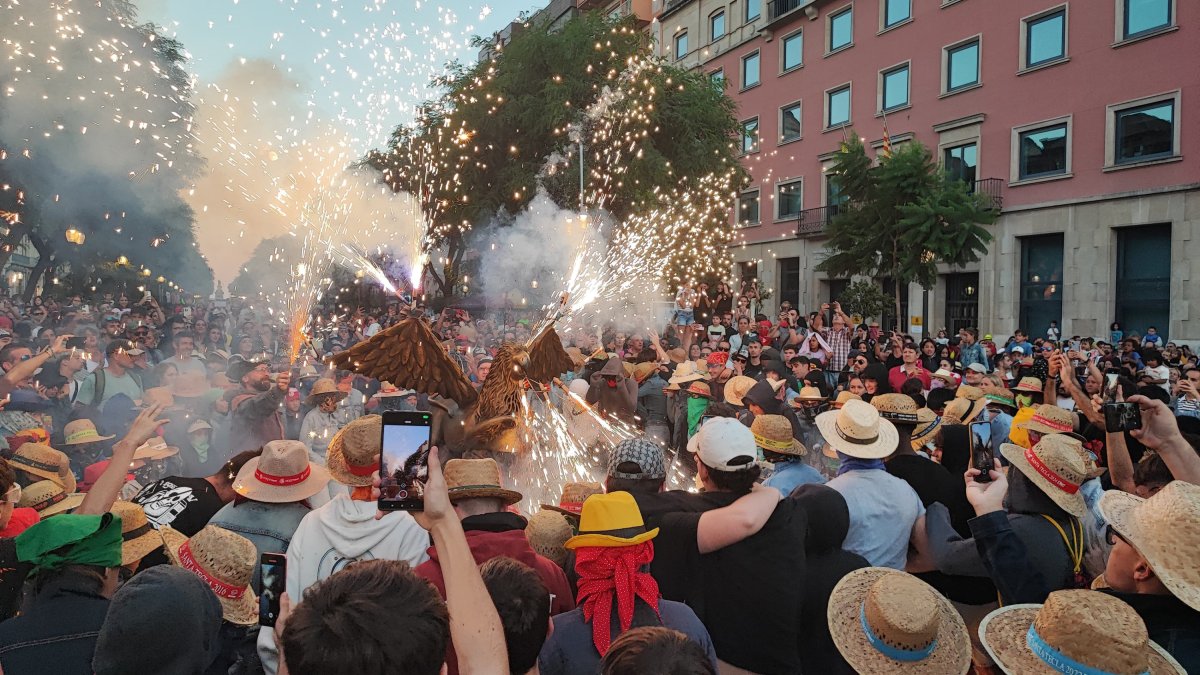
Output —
(827, 564)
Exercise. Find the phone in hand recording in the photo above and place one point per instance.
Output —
(79, 342)
(274, 578)
(404, 460)
(982, 458)
(1110, 387)
(1119, 416)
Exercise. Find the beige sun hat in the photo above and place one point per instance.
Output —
(1080, 630)
(677, 355)
(282, 474)
(576, 356)
(477, 479)
(353, 453)
(845, 397)
(78, 432)
(945, 376)
(896, 408)
(963, 410)
(699, 388)
(1165, 530)
(1049, 419)
(687, 372)
(644, 370)
(48, 498)
(928, 423)
(1029, 384)
(1056, 466)
(774, 433)
(573, 497)
(547, 531)
(887, 621)
(324, 387)
(155, 448)
(969, 392)
(736, 388)
(225, 561)
(857, 430)
(43, 461)
(809, 394)
(138, 537)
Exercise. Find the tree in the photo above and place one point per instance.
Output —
(863, 298)
(903, 217)
(512, 123)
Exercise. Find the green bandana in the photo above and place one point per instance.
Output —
(70, 539)
(696, 407)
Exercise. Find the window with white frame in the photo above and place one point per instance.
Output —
(789, 199)
(1144, 17)
(1143, 131)
(791, 51)
(748, 208)
(681, 45)
(962, 65)
(753, 10)
(717, 77)
(789, 122)
(837, 106)
(750, 75)
(896, 12)
(750, 135)
(1042, 150)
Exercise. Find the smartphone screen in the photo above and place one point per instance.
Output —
(1110, 387)
(1120, 417)
(274, 577)
(404, 460)
(981, 458)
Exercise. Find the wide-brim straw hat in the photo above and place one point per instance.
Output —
(1056, 466)
(644, 370)
(78, 432)
(155, 448)
(548, 532)
(845, 397)
(1029, 384)
(774, 433)
(353, 453)
(573, 497)
(138, 537)
(945, 376)
(282, 474)
(1165, 530)
(611, 520)
(969, 392)
(896, 408)
(225, 561)
(477, 479)
(43, 461)
(928, 423)
(1049, 419)
(388, 390)
(1090, 628)
(736, 389)
(963, 410)
(687, 372)
(699, 388)
(1001, 396)
(878, 611)
(576, 356)
(48, 498)
(857, 430)
(810, 394)
(323, 388)
(677, 355)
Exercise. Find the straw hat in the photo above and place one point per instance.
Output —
(1049, 419)
(43, 461)
(353, 453)
(138, 536)
(199, 425)
(573, 497)
(736, 388)
(158, 396)
(774, 433)
(1165, 530)
(547, 531)
(387, 390)
(644, 370)
(946, 376)
(282, 474)
(699, 388)
(858, 430)
(48, 498)
(307, 372)
(477, 479)
(155, 448)
(896, 408)
(677, 355)
(610, 521)
(78, 432)
(1001, 396)
(225, 561)
(576, 356)
(1056, 466)
(687, 372)
(886, 621)
(810, 394)
(845, 397)
(963, 410)
(191, 385)
(928, 423)
(1081, 631)
(1029, 384)
(322, 388)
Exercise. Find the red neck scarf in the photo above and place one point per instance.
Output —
(608, 572)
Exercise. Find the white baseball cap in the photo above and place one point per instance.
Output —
(724, 444)
(978, 367)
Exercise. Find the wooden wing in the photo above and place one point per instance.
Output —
(409, 356)
(547, 358)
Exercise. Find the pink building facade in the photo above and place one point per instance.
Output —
(1080, 119)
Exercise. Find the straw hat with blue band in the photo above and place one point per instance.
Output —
(611, 520)
(928, 423)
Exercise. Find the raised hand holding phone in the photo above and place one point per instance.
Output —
(986, 496)
(403, 455)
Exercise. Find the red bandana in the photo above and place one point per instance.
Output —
(608, 572)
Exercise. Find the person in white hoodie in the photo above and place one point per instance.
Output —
(345, 530)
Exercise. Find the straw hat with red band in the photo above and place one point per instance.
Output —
(48, 498)
(573, 497)
(353, 453)
(138, 537)
(78, 432)
(1029, 385)
(282, 474)
(1049, 419)
(699, 389)
(477, 479)
(225, 561)
(1056, 466)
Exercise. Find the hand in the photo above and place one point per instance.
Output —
(1186, 388)
(986, 497)
(60, 345)
(285, 611)
(437, 497)
(284, 380)
(1158, 423)
(145, 425)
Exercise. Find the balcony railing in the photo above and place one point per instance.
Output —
(991, 188)
(778, 8)
(811, 222)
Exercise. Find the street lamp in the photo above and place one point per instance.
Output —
(74, 236)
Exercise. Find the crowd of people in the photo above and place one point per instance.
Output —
(864, 500)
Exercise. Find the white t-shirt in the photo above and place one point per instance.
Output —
(685, 299)
(1160, 373)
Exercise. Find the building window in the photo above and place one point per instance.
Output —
(788, 200)
(717, 77)
(1142, 17)
(1041, 282)
(792, 51)
(960, 162)
(841, 29)
(1144, 278)
(681, 45)
(962, 65)
(837, 106)
(748, 209)
(750, 136)
(1043, 151)
(1045, 38)
(750, 70)
(789, 123)
(716, 26)
(894, 88)
(753, 10)
(896, 11)
(834, 197)
(789, 281)
(1144, 132)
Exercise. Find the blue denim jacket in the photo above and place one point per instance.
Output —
(268, 526)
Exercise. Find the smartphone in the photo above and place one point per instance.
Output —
(404, 460)
(274, 578)
(77, 342)
(1110, 387)
(1122, 417)
(147, 297)
(981, 458)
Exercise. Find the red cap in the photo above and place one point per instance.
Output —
(92, 472)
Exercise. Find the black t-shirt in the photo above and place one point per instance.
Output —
(12, 578)
(186, 504)
(737, 590)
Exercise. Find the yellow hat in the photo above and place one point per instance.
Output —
(611, 521)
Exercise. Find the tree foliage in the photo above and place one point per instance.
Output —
(903, 217)
(864, 298)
